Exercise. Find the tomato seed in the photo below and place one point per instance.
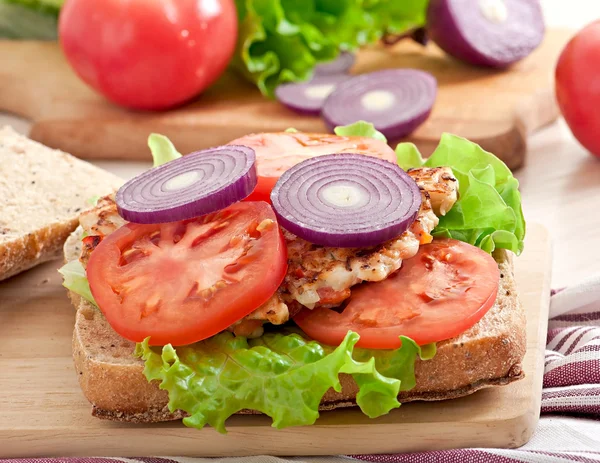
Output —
(264, 225)
(208, 293)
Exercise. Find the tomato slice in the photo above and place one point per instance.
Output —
(182, 282)
(441, 292)
(277, 152)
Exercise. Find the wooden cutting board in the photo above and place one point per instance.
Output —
(44, 413)
(494, 108)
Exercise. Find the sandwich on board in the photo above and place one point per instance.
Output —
(289, 273)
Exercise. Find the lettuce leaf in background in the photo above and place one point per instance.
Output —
(281, 374)
(282, 40)
(488, 212)
(29, 19)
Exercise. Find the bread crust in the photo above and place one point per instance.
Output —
(488, 354)
(34, 248)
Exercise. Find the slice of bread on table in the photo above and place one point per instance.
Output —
(488, 354)
(42, 193)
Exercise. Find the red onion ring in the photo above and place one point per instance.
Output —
(346, 200)
(395, 101)
(194, 185)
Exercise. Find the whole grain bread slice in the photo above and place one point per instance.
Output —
(42, 193)
(488, 354)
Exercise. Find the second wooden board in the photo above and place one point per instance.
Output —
(496, 109)
(44, 413)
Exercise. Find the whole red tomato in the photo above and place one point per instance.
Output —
(578, 86)
(148, 54)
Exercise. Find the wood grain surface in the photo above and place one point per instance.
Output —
(494, 108)
(44, 413)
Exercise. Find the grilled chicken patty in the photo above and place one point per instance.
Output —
(317, 276)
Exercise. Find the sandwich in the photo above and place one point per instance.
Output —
(291, 273)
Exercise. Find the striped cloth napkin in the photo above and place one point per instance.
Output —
(568, 431)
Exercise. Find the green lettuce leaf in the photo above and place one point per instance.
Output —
(359, 129)
(29, 19)
(408, 155)
(488, 213)
(162, 149)
(49, 6)
(75, 279)
(93, 201)
(282, 375)
(282, 40)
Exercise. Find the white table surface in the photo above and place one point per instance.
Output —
(560, 183)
